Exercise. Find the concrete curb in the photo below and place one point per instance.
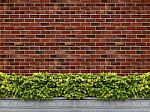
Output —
(63, 105)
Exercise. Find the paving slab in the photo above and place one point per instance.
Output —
(86, 105)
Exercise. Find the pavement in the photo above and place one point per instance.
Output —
(63, 105)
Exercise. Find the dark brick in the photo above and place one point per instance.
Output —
(105, 56)
(9, 20)
(54, 1)
(105, 1)
(61, 5)
(40, 36)
(60, 44)
(109, 20)
(139, 52)
(90, 52)
(91, 36)
(95, 24)
(59, 67)
(110, 12)
(54, 56)
(4, 1)
(59, 20)
(64, 8)
(9, 44)
(39, 52)
(4, 56)
(44, 24)
(145, 24)
(61, 60)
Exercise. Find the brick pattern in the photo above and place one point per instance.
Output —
(74, 36)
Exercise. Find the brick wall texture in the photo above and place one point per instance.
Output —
(74, 36)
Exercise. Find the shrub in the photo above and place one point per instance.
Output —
(6, 85)
(104, 86)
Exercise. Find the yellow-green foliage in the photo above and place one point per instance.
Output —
(104, 86)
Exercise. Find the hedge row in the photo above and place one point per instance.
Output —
(104, 86)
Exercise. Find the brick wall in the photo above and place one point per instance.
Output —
(73, 36)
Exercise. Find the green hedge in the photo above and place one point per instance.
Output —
(104, 86)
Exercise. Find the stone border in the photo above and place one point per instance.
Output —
(63, 105)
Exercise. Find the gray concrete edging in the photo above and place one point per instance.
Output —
(86, 105)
